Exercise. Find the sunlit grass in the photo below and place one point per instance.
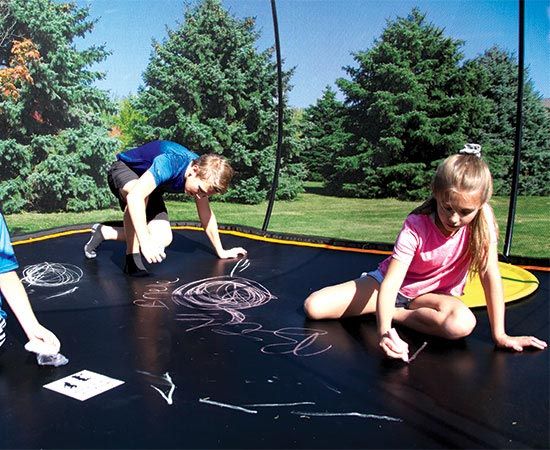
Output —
(325, 216)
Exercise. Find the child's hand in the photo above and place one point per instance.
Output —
(394, 346)
(43, 341)
(152, 252)
(518, 343)
(232, 253)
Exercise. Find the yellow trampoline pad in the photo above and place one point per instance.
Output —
(517, 283)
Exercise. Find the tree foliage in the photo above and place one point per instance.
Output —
(16, 72)
(324, 135)
(406, 108)
(496, 130)
(53, 131)
(128, 122)
(208, 88)
(411, 101)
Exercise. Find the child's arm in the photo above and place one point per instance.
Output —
(14, 292)
(136, 206)
(210, 225)
(492, 286)
(385, 309)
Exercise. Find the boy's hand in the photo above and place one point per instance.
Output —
(234, 252)
(43, 341)
(152, 252)
(518, 343)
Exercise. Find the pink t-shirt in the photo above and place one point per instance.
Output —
(437, 263)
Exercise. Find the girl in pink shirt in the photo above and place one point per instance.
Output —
(418, 286)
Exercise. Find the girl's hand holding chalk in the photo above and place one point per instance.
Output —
(394, 346)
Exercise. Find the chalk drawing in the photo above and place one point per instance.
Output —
(298, 413)
(344, 414)
(155, 294)
(49, 274)
(70, 291)
(227, 405)
(167, 380)
(222, 301)
(332, 388)
(269, 405)
(241, 265)
(224, 293)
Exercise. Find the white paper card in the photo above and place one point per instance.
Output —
(83, 385)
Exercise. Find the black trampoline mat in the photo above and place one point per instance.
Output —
(249, 370)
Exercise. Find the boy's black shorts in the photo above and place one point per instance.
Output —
(119, 174)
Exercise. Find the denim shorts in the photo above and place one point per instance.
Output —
(401, 301)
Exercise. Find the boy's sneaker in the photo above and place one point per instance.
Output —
(94, 242)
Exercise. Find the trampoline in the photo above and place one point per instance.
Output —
(247, 369)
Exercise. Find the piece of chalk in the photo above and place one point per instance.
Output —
(397, 340)
(51, 360)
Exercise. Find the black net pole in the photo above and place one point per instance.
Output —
(517, 142)
(280, 106)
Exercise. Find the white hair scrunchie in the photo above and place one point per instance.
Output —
(471, 149)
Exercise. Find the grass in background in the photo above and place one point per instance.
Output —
(319, 215)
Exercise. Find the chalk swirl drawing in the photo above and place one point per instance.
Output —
(224, 293)
(222, 301)
(49, 274)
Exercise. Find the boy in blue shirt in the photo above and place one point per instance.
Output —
(139, 178)
(13, 291)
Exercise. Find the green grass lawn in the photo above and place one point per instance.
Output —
(326, 216)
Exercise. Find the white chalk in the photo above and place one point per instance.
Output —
(51, 360)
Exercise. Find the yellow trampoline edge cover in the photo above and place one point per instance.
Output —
(517, 283)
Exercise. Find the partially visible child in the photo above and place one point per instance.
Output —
(13, 291)
(139, 178)
(418, 286)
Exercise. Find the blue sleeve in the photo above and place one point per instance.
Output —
(8, 261)
(165, 168)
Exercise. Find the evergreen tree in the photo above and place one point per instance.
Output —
(324, 135)
(53, 131)
(208, 88)
(496, 132)
(407, 108)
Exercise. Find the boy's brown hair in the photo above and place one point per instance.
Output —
(214, 170)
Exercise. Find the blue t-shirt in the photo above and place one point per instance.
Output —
(8, 262)
(166, 160)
